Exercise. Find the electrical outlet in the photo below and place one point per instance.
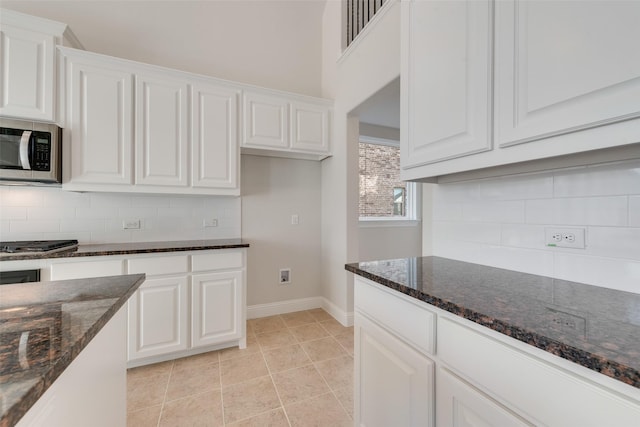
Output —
(131, 224)
(211, 222)
(285, 276)
(295, 220)
(570, 237)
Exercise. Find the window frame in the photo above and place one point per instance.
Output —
(413, 195)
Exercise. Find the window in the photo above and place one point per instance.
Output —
(382, 194)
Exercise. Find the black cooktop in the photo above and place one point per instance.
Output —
(36, 245)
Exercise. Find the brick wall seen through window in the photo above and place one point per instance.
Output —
(382, 193)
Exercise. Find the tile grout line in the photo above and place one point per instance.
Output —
(166, 391)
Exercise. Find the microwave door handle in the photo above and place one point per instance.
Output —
(24, 150)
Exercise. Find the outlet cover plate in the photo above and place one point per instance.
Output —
(564, 237)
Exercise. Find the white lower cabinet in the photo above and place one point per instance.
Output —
(190, 302)
(461, 405)
(394, 383)
(482, 378)
(214, 301)
(158, 322)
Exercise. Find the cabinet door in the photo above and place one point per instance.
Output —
(216, 301)
(100, 105)
(394, 383)
(309, 127)
(215, 143)
(161, 130)
(158, 322)
(266, 123)
(27, 80)
(446, 80)
(565, 66)
(460, 405)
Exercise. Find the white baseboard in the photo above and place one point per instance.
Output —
(289, 306)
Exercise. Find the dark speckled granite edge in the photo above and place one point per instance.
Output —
(127, 249)
(19, 409)
(610, 368)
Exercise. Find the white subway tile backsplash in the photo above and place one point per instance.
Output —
(614, 242)
(517, 187)
(487, 233)
(447, 211)
(634, 211)
(35, 226)
(22, 197)
(610, 273)
(12, 212)
(51, 213)
(599, 180)
(519, 259)
(500, 211)
(605, 211)
(62, 212)
(523, 236)
(604, 199)
(75, 225)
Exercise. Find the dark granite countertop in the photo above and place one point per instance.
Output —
(131, 248)
(61, 317)
(595, 327)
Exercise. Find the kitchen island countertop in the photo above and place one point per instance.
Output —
(130, 248)
(59, 318)
(598, 328)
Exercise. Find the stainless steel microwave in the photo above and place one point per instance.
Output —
(30, 152)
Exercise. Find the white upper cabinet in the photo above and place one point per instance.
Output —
(448, 58)
(488, 84)
(161, 130)
(215, 136)
(565, 66)
(28, 65)
(285, 125)
(309, 127)
(266, 121)
(99, 137)
(139, 128)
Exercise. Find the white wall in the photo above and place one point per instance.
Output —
(377, 242)
(274, 43)
(373, 63)
(501, 221)
(273, 189)
(34, 213)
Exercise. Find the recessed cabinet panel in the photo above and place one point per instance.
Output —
(215, 301)
(158, 315)
(394, 383)
(215, 143)
(309, 127)
(161, 130)
(446, 80)
(564, 66)
(266, 121)
(27, 80)
(101, 125)
(460, 405)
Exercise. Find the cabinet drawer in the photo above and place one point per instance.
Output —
(217, 261)
(82, 269)
(159, 265)
(545, 394)
(407, 319)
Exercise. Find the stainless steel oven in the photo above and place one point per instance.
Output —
(30, 152)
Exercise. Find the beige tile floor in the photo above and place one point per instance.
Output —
(297, 370)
